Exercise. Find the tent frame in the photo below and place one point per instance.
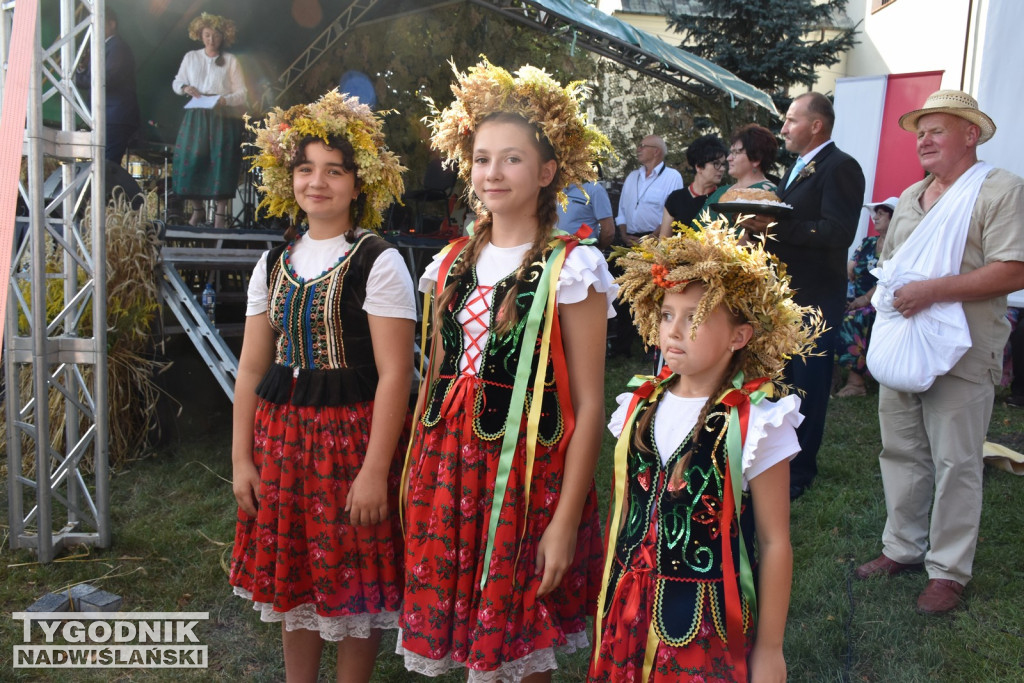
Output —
(590, 29)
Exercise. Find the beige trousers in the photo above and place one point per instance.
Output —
(931, 460)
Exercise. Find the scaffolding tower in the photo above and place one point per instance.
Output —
(55, 326)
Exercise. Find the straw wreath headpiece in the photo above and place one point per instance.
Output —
(225, 26)
(277, 142)
(535, 96)
(749, 281)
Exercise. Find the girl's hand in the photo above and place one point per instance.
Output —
(767, 665)
(367, 501)
(245, 483)
(554, 555)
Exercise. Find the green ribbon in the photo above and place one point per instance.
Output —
(517, 404)
(734, 449)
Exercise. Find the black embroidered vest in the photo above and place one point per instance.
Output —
(323, 334)
(498, 362)
(688, 573)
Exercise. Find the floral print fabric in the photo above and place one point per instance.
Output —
(447, 620)
(299, 551)
(855, 330)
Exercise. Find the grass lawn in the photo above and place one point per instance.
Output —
(173, 521)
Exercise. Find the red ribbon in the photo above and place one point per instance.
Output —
(583, 233)
(633, 583)
(739, 399)
(733, 605)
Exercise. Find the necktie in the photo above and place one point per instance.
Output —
(797, 167)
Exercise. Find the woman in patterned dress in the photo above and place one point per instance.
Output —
(502, 536)
(855, 331)
(322, 396)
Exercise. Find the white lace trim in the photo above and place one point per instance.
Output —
(771, 435)
(516, 670)
(330, 628)
(584, 268)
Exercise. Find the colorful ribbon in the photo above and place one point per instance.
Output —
(738, 399)
(545, 289)
(449, 253)
(646, 390)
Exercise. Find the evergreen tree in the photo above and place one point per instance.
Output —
(771, 44)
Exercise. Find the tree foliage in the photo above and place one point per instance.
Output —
(408, 59)
(771, 44)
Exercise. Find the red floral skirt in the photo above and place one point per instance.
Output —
(447, 620)
(624, 638)
(299, 555)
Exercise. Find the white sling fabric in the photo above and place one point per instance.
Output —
(907, 354)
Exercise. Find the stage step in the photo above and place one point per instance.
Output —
(207, 339)
(213, 258)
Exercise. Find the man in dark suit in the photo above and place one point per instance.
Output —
(826, 189)
(122, 103)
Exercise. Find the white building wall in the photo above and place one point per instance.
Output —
(908, 36)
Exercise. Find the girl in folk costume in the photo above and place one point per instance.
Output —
(322, 396)
(701, 467)
(502, 538)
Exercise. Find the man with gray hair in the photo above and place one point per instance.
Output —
(644, 191)
(932, 440)
(640, 208)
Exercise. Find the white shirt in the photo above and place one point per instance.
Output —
(771, 429)
(807, 158)
(643, 198)
(200, 71)
(583, 268)
(389, 291)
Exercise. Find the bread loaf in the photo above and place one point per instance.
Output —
(749, 194)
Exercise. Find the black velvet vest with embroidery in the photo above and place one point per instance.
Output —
(499, 360)
(323, 334)
(688, 575)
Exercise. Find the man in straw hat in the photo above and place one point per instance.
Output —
(931, 455)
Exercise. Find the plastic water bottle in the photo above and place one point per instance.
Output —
(210, 302)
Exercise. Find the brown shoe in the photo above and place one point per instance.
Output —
(883, 566)
(939, 596)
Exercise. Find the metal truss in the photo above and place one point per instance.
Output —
(55, 357)
(350, 16)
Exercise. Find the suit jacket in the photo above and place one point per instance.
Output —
(122, 100)
(813, 240)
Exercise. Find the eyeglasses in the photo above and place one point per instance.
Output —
(735, 152)
(719, 165)
(644, 144)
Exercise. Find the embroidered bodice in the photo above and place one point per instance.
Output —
(675, 529)
(472, 349)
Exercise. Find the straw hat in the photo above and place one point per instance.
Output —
(890, 203)
(953, 102)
